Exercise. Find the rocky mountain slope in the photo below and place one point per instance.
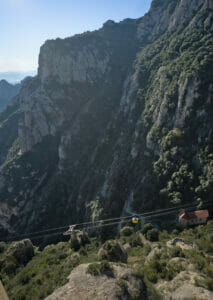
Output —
(116, 119)
(135, 265)
(7, 92)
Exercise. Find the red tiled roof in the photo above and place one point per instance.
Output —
(197, 214)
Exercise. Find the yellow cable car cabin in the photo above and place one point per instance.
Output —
(135, 220)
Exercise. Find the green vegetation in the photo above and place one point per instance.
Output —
(46, 271)
(160, 266)
(152, 235)
(112, 250)
(150, 232)
(151, 261)
(126, 231)
(155, 142)
(146, 228)
(100, 268)
(183, 167)
(154, 146)
(176, 252)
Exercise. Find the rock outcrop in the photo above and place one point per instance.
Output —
(85, 286)
(3, 294)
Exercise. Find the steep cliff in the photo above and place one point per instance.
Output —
(7, 92)
(117, 119)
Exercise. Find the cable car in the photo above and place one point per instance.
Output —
(135, 220)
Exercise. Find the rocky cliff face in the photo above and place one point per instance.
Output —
(7, 92)
(118, 119)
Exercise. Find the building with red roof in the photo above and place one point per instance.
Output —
(194, 217)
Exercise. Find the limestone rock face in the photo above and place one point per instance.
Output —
(174, 15)
(41, 118)
(117, 121)
(67, 63)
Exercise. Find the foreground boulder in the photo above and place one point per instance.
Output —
(112, 251)
(3, 294)
(84, 286)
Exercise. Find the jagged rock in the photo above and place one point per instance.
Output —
(182, 287)
(86, 65)
(182, 244)
(82, 285)
(153, 253)
(3, 294)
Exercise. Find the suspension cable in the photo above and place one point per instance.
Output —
(146, 215)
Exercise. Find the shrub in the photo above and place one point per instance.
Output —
(126, 231)
(62, 256)
(146, 228)
(99, 268)
(22, 251)
(198, 282)
(155, 265)
(209, 283)
(10, 267)
(210, 237)
(75, 260)
(152, 235)
(200, 263)
(82, 251)
(24, 278)
(139, 273)
(147, 248)
(209, 271)
(164, 235)
(123, 285)
(152, 276)
(170, 273)
(135, 240)
(112, 251)
(39, 281)
(78, 239)
(206, 283)
(2, 247)
(176, 252)
(21, 297)
(175, 232)
(152, 293)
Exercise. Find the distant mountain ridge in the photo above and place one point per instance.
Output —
(16, 76)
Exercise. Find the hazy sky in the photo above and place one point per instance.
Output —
(26, 24)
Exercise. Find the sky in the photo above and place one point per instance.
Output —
(26, 24)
